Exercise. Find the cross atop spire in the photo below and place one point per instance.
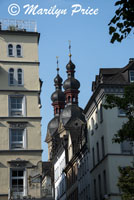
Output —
(57, 65)
(70, 55)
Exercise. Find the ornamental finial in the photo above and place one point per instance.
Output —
(70, 55)
(57, 65)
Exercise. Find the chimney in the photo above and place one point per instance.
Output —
(131, 60)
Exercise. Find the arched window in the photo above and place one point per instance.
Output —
(19, 74)
(11, 76)
(10, 50)
(18, 50)
(69, 99)
(73, 99)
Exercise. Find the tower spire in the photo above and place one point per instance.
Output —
(58, 97)
(71, 85)
(57, 57)
(70, 55)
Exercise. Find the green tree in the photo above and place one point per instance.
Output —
(125, 102)
(122, 24)
(126, 182)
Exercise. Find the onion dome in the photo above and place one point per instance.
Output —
(58, 97)
(71, 85)
(70, 66)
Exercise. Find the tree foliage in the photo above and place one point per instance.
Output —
(122, 24)
(125, 102)
(126, 182)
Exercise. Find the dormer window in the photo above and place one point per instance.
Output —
(18, 51)
(131, 76)
(10, 50)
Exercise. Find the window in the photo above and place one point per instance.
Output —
(98, 155)
(105, 182)
(18, 51)
(15, 76)
(126, 147)
(17, 138)
(17, 106)
(10, 50)
(92, 126)
(18, 182)
(101, 113)
(11, 76)
(95, 190)
(131, 76)
(99, 181)
(96, 119)
(93, 157)
(103, 146)
(121, 112)
(19, 74)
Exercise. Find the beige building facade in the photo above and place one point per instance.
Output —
(20, 121)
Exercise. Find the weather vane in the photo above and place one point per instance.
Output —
(70, 55)
(57, 64)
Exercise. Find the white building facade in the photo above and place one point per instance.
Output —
(106, 156)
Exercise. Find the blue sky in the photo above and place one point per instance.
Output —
(91, 47)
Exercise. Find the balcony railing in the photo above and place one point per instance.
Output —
(18, 25)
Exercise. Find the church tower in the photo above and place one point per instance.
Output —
(58, 103)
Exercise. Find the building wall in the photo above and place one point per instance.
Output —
(28, 156)
(109, 156)
(59, 177)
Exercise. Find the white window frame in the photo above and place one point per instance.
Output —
(23, 109)
(12, 50)
(121, 113)
(22, 77)
(9, 73)
(101, 113)
(23, 139)
(124, 150)
(130, 77)
(24, 193)
(15, 76)
(19, 56)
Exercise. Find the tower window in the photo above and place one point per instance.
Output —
(19, 73)
(10, 50)
(69, 99)
(73, 99)
(18, 50)
(11, 76)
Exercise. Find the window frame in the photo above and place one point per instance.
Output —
(130, 77)
(9, 73)
(23, 109)
(23, 139)
(19, 56)
(24, 193)
(22, 77)
(12, 50)
(121, 114)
